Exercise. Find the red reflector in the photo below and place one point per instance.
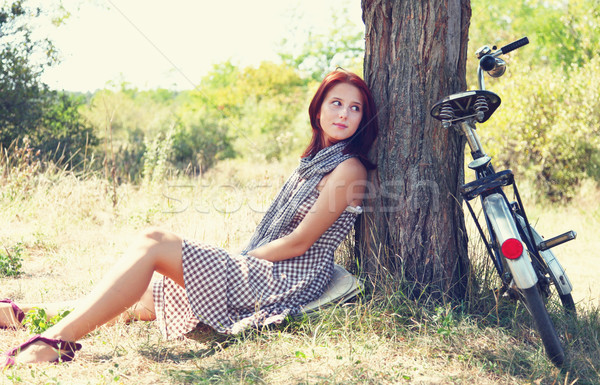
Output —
(512, 248)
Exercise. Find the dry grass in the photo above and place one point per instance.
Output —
(72, 234)
(580, 257)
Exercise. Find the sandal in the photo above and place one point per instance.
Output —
(19, 314)
(66, 350)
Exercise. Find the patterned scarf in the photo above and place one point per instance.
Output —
(286, 204)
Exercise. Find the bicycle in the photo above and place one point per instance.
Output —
(528, 269)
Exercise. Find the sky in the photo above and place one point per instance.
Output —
(173, 44)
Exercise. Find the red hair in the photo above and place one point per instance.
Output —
(360, 143)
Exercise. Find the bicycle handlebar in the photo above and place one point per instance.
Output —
(514, 45)
(491, 63)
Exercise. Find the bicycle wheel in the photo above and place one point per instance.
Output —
(506, 228)
(543, 323)
(550, 268)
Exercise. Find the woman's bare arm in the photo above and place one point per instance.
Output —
(344, 186)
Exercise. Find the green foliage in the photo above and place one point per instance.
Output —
(260, 112)
(37, 321)
(548, 126)
(562, 32)
(218, 90)
(129, 114)
(49, 119)
(125, 120)
(198, 145)
(21, 101)
(62, 130)
(444, 316)
(252, 112)
(247, 112)
(272, 117)
(11, 261)
(342, 45)
(155, 158)
(267, 129)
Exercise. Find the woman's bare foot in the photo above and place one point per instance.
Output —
(36, 352)
(40, 349)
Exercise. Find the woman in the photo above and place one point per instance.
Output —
(288, 262)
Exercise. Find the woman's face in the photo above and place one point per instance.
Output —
(341, 113)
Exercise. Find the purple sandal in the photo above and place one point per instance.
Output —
(18, 313)
(66, 350)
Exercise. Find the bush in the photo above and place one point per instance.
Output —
(11, 261)
(19, 166)
(155, 158)
(198, 145)
(63, 134)
(548, 126)
(248, 111)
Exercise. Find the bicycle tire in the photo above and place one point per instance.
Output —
(565, 298)
(545, 327)
(568, 303)
(504, 225)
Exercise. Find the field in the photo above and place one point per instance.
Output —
(70, 229)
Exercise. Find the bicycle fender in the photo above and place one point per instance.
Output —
(503, 224)
(559, 276)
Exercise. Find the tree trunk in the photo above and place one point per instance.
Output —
(415, 55)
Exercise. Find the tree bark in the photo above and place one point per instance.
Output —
(415, 55)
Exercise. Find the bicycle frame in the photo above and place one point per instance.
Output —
(488, 185)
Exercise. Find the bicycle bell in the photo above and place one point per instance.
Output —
(494, 66)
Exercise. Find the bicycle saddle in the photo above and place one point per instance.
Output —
(479, 104)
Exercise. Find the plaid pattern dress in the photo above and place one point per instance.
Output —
(233, 292)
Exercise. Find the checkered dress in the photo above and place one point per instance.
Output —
(232, 292)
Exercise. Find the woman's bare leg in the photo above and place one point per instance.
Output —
(123, 287)
(143, 310)
(8, 318)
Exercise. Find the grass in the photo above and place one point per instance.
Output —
(70, 233)
(10, 261)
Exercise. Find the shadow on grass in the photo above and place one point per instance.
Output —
(527, 359)
(213, 341)
(582, 344)
(222, 372)
(493, 334)
(580, 337)
(522, 354)
(164, 355)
